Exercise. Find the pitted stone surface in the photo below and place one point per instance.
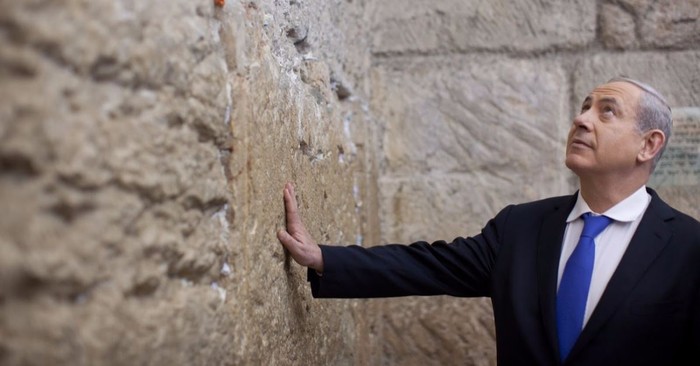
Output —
(143, 151)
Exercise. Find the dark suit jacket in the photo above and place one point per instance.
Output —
(649, 313)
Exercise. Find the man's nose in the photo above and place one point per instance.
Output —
(583, 121)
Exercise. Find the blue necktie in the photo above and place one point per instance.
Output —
(575, 281)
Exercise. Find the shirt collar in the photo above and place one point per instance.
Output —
(626, 210)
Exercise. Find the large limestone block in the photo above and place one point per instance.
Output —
(671, 23)
(455, 25)
(301, 142)
(644, 23)
(673, 74)
(292, 123)
(491, 116)
(438, 330)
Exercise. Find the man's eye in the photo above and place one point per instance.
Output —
(585, 107)
(608, 110)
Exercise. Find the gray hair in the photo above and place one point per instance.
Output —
(653, 112)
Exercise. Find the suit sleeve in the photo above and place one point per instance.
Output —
(460, 268)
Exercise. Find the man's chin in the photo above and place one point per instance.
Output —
(575, 163)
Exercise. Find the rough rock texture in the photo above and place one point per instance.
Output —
(144, 146)
(143, 150)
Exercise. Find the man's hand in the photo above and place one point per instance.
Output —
(296, 238)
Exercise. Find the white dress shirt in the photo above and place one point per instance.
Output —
(610, 245)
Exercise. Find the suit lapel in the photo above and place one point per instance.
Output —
(651, 237)
(548, 251)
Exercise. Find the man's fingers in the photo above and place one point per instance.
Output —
(295, 238)
(292, 195)
(290, 204)
(290, 187)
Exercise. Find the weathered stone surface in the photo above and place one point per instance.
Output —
(143, 149)
(618, 27)
(630, 24)
(333, 32)
(671, 23)
(111, 233)
(438, 331)
(290, 136)
(454, 25)
(673, 74)
(456, 117)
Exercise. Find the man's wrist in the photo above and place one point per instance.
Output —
(318, 267)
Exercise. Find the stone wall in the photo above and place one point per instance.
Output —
(143, 150)
(474, 100)
(144, 146)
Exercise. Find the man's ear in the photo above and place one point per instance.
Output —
(652, 143)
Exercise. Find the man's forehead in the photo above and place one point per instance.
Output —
(621, 91)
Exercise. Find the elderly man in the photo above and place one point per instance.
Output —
(607, 276)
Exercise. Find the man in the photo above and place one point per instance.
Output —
(607, 276)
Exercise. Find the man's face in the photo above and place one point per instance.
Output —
(604, 138)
